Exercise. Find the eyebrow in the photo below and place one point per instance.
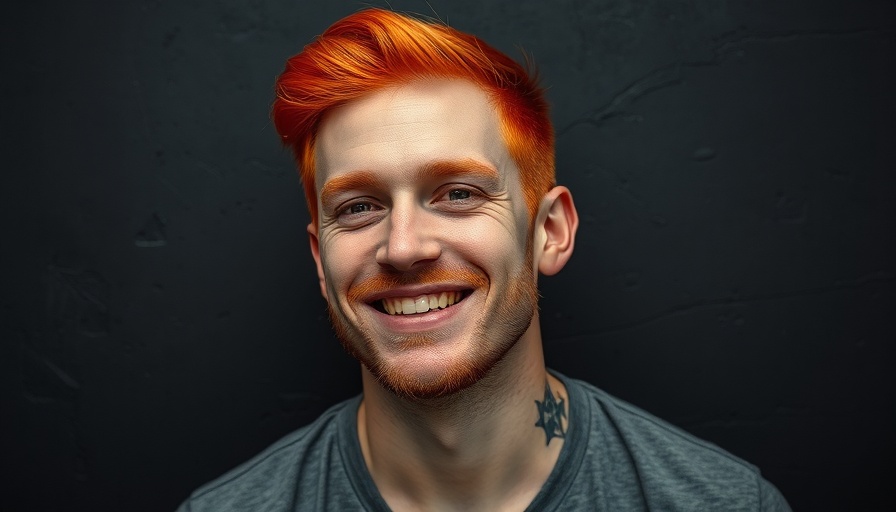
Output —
(467, 167)
(438, 169)
(350, 181)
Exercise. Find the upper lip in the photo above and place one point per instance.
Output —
(416, 290)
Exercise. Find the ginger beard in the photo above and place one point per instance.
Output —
(496, 332)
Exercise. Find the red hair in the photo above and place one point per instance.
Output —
(375, 48)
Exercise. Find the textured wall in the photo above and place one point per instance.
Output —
(732, 162)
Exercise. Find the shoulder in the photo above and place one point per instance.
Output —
(669, 468)
(274, 479)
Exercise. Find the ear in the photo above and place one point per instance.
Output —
(555, 231)
(315, 253)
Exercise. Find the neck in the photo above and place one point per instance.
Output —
(478, 449)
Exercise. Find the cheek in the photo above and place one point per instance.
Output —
(491, 243)
(337, 259)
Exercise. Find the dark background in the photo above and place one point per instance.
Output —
(732, 162)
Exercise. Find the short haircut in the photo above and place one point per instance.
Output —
(375, 48)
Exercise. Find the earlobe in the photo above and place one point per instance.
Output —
(556, 227)
(315, 253)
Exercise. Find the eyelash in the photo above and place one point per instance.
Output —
(344, 212)
(472, 194)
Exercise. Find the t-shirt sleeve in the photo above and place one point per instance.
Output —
(771, 499)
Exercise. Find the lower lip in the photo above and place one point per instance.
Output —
(420, 322)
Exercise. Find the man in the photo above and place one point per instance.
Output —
(427, 161)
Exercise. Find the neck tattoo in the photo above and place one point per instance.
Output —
(551, 413)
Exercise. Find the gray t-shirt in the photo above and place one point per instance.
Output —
(615, 457)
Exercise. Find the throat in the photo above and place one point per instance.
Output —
(477, 449)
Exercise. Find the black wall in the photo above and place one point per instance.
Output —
(732, 162)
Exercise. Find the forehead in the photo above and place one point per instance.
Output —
(402, 128)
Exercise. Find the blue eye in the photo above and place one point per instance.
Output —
(458, 195)
(359, 208)
(358, 212)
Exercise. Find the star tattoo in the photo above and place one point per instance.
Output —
(550, 415)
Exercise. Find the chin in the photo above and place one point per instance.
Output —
(431, 376)
(417, 366)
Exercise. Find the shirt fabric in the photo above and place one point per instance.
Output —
(615, 457)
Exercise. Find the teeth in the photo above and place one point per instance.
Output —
(421, 304)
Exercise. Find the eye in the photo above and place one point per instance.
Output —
(455, 197)
(356, 211)
(458, 194)
(358, 208)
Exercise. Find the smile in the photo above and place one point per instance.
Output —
(421, 303)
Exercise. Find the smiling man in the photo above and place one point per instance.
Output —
(427, 161)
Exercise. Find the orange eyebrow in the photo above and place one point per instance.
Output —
(467, 166)
(353, 180)
(432, 170)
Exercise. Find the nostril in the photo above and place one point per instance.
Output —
(406, 245)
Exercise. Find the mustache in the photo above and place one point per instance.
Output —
(385, 281)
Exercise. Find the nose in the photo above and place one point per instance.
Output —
(409, 239)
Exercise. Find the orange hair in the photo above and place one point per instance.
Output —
(375, 48)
